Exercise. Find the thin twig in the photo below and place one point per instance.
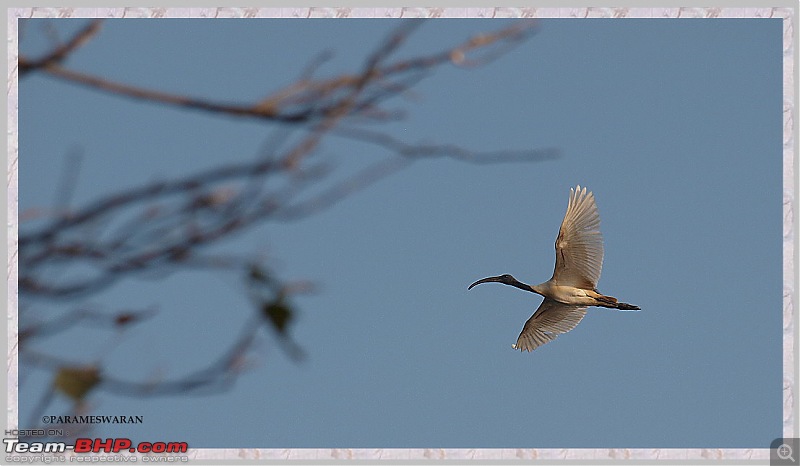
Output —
(58, 54)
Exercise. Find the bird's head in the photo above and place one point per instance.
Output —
(505, 279)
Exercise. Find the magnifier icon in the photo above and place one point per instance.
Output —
(785, 452)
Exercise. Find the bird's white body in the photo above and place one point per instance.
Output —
(566, 294)
(573, 287)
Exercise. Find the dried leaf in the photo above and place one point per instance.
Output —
(76, 382)
(278, 314)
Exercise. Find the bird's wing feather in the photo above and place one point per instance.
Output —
(579, 246)
(550, 320)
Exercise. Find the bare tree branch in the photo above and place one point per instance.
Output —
(58, 54)
(169, 225)
(316, 99)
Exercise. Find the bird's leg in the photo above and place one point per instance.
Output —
(611, 302)
(606, 301)
(628, 307)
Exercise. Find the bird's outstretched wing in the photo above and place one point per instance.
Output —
(549, 321)
(579, 246)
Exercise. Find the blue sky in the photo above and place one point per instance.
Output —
(675, 125)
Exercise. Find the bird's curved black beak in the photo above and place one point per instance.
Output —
(505, 279)
(500, 279)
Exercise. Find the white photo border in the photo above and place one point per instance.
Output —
(566, 456)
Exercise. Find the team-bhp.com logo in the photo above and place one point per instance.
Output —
(86, 445)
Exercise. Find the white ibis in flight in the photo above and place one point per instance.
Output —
(573, 288)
